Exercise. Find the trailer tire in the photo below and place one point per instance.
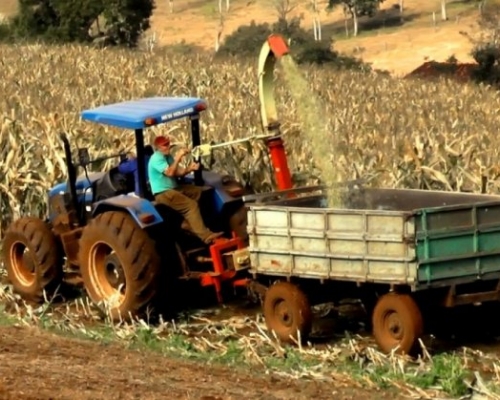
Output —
(397, 320)
(114, 251)
(287, 312)
(40, 268)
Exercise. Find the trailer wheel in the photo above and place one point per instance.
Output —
(119, 265)
(32, 259)
(287, 311)
(397, 320)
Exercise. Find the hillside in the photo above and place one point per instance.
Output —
(383, 40)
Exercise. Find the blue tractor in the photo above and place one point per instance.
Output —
(128, 249)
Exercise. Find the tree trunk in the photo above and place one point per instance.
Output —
(316, 20)
(171, 6)
(220, 27)
(482, 5)
(443, 10)
(227, 5)
(355, 22)
(401, 6)
(346, 23)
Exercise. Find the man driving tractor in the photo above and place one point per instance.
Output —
(163, 169)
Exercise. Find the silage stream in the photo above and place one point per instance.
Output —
(315, 129)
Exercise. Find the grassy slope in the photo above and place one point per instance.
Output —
(398, 49)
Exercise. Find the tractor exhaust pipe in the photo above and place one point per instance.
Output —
(71, 173)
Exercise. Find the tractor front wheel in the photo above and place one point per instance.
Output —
(120, 266)
(397, 321)
(32, 259)
(287, 312)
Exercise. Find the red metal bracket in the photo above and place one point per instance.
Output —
(220, 273)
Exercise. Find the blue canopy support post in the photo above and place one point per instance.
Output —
(141, 167)
(195, 135)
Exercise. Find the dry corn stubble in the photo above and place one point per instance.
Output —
(395, 133)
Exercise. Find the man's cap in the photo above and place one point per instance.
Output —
(161, 141)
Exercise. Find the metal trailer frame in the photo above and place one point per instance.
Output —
(416, 243)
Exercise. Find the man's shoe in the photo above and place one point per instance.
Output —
(213, 236)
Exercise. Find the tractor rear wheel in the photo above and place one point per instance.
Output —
(33, 259)
(287, 312)
(120, 266)
(397, 321)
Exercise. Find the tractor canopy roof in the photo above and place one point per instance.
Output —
(146, 112)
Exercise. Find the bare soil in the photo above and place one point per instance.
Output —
(36, 364)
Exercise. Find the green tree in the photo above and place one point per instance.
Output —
(247, 41)
(127, 20)
(356, 8)
(123, 21)
(486, 46)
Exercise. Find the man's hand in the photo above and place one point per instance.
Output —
(180, 154)
(194, 166)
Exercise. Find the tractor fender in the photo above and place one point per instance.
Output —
(141, 210)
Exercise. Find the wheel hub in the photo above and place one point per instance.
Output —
(284, 314)
(28, 262)
(394, 326)
(114, 272)
(23, 263)
(106, 273)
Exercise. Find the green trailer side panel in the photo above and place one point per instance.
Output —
(457, 242)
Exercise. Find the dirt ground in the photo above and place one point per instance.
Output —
(39, 365)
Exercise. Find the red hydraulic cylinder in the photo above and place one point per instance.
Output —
(280, 163)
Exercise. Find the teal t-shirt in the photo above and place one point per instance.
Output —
(160, 182)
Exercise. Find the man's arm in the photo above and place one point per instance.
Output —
(171, 169)
(183, 171)
(174, 170)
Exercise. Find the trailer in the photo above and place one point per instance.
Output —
(403, 252)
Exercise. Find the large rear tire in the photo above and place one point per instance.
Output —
(32, 259)
(120, 266)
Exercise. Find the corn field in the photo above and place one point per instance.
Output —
(393, 133)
